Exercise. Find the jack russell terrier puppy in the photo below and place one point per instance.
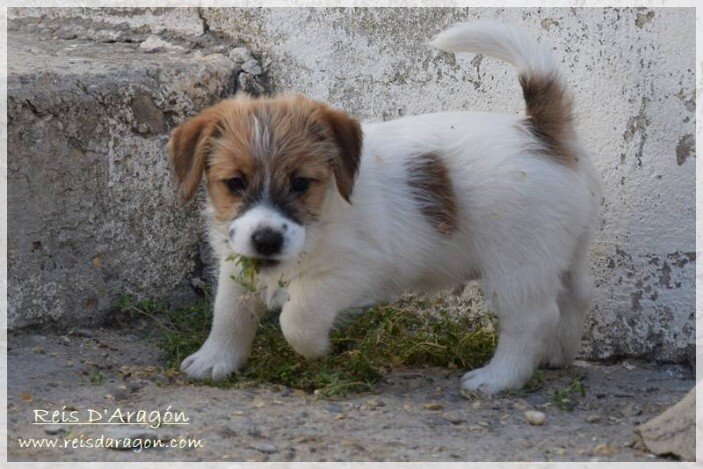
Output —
(341, 215)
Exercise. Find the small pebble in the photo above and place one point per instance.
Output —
(135, 386)
(240, 54)
(593, 418)
(535, 417)
(264, 447)
(119, 394)
(433, 406)
(334, 409)
(373, 403)
(226, 431)
(54, 429)
(626, 410)
(452, 417)
(161, 380)
(603, 449)
(258, 402)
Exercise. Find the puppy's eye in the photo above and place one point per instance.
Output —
(236, 184)
(299, 184)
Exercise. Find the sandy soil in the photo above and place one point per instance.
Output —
(414, 415)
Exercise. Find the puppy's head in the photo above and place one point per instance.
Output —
(269, 164)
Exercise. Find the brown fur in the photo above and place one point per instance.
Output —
(432, 189)
(549, 110)
(188, 148)
(294, 137)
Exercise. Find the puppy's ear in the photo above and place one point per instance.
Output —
(346, 132)
(188, 148)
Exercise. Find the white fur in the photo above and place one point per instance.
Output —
(263, 216)
(498, 40)
(524, 226)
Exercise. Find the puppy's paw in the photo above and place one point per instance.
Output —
(308, 345)
(558, 355)
(308, 341)
(311, 347)
(213, 361)
(491, 380)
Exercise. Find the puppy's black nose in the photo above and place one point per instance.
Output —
(267, 241)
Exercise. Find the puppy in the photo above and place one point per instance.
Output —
(342, 215)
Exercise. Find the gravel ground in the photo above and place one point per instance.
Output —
(414, 415)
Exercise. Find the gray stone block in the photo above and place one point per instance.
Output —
(92, 213)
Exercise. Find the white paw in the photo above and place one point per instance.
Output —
(307, 341)
(491, 379)
(214, 361)
(557, 355)
(310, 347)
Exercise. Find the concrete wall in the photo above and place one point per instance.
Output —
(632, 73)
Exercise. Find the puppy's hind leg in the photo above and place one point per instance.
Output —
(524, 327)
(574, 303)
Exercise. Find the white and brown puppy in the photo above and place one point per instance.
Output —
(345, 215)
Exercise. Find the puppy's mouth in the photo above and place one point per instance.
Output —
(267, 263)
(255, 264)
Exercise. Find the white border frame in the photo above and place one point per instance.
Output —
(348, 3)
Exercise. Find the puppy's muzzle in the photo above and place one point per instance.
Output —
(262, 232)
(267, 242)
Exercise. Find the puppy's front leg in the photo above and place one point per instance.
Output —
(309, 314)
(236, 315)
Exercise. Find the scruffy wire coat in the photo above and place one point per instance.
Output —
(342, 215)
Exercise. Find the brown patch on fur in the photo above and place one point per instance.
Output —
(432, 189)
(269, 141)
(550, 118)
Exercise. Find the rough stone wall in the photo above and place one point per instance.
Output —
(92, 211)
(632, 73)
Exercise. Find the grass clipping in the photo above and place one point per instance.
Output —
(409, 333)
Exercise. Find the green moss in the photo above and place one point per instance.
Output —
(566, 398)
(96, 377)
(409, 333)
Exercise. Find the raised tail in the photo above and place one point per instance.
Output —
(549, 104)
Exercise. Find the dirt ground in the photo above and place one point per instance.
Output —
(414, 414)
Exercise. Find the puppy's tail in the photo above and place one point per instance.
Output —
(549, 104)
